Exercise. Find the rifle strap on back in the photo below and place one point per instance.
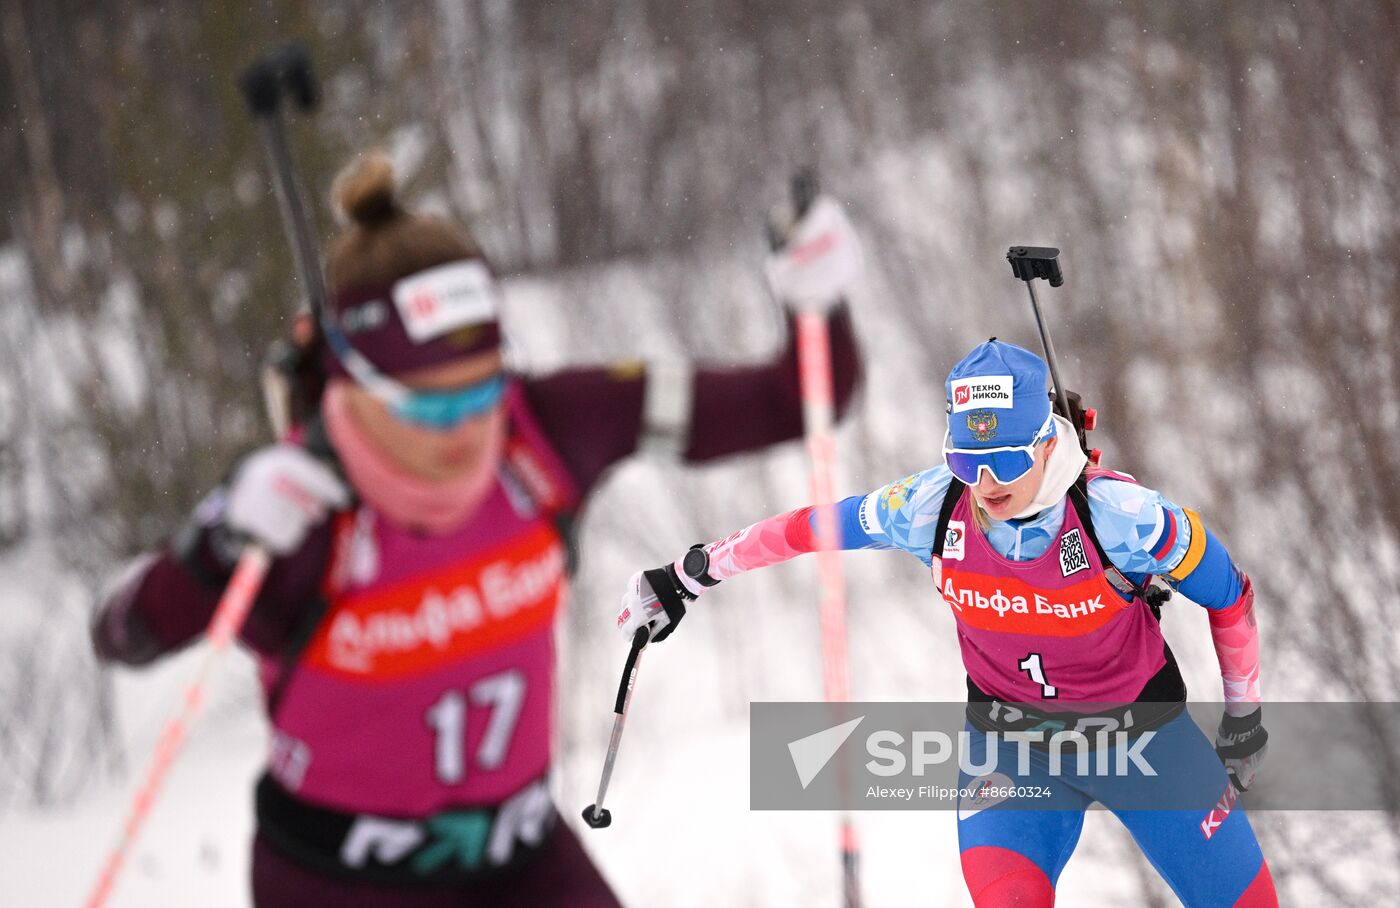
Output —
(945, 513)
(1079, 497)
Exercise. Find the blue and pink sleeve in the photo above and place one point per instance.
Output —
(900, 515)
(1144, 533)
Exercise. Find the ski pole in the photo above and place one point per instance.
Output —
(287, 71)
(814, 374)
(594, 814)
(228, 619)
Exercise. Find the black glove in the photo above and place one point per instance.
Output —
(657, 598)
(1241, 744)
(672, 595)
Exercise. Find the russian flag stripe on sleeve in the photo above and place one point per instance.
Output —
(1195, 549)
(1167, 538)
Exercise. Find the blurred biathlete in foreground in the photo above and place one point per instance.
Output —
(419, 522)
(1048, 564)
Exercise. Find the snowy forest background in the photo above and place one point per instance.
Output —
(1222, 178)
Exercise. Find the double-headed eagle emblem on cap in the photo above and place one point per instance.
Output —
(982, 424)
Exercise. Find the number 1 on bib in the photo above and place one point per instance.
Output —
(1031, 666)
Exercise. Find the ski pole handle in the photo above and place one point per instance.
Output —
(594, 814)
(285, 70)
(640, 638)
(803, 190)
(227, 621)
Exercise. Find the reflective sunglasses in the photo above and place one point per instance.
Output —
(440, 410)
(449, 409)
(1006, 464)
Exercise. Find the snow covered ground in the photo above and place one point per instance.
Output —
(690, 792)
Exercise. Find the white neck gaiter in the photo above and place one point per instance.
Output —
(1061, 470)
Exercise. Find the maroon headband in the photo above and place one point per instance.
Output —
(374, 325)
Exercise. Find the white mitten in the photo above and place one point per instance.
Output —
(278, 494)
(820, 260)
(658, 598)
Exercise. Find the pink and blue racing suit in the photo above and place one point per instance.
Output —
(1052, 623)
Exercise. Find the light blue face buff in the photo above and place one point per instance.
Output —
(448, 409)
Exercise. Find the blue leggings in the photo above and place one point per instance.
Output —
(1207, 853)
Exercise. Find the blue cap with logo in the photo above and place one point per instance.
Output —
(998, 397)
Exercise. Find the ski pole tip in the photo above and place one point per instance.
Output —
(805, 189)
(596, 818)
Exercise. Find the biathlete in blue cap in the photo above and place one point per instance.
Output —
(1054, 570)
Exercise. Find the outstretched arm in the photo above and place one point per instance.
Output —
(777, 539)
(595, 417)
(679, 409)
(900, 515)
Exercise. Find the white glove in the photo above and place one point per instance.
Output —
(819, 262)
(278, 494)
(641, 606)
